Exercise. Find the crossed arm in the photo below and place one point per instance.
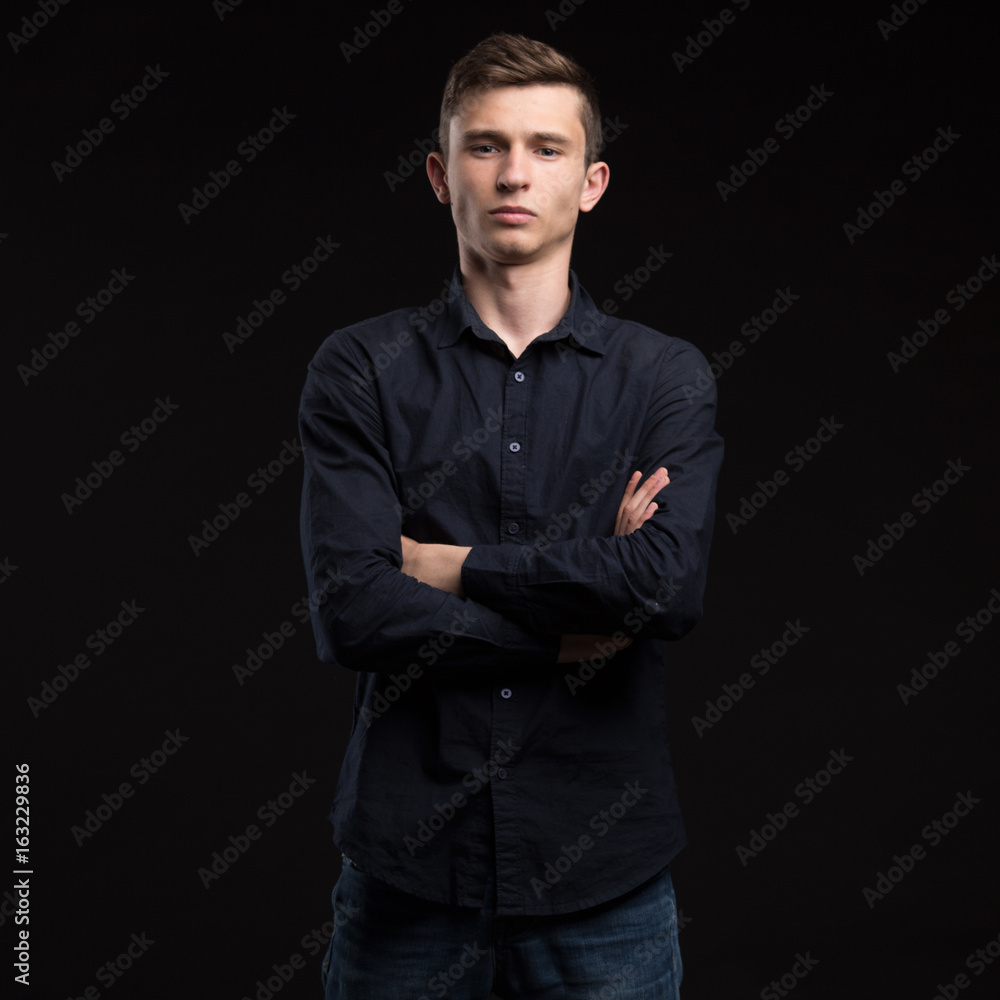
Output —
(385, 600)
(441, 565)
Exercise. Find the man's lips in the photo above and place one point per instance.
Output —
(512, 213)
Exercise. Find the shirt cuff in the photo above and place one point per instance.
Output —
(489, 574)
(489, 577)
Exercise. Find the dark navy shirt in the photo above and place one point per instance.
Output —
(475, 756)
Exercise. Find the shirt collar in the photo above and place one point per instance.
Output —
(582, 325)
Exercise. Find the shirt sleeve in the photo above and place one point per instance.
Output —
(653, 579)
(367, 614)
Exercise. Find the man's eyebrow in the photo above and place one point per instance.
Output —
(557, 138)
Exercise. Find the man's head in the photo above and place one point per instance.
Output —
(519, 142)
(504, 60)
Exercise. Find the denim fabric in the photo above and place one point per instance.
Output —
(389, 945)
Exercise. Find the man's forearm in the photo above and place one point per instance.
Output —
(440, 565)
(436, 564)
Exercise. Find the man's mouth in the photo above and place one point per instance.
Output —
(514, 214)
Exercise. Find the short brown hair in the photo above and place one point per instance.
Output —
(504, 60)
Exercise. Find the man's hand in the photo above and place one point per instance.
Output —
(441, 565)
(438, 565)
(636, 509)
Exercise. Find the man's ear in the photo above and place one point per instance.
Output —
(437, 173)
(594, 185)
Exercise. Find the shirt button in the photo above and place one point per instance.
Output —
(513, 528)
(501, 773)
(514, 446)
(506, 693)
(518, 376)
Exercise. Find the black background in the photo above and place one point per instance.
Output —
(325, 175)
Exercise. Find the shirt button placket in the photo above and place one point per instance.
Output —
(506, 729)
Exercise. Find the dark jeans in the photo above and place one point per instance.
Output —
(389, 945)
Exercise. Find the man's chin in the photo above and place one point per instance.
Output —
(513, 251)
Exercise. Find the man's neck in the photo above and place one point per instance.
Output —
(518, 302)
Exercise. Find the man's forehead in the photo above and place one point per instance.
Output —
(547, 107)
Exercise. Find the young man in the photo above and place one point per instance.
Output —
(479, 521)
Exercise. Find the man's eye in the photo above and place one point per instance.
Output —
(547, 149)
(483, 149)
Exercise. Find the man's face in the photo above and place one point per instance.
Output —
(515, 176)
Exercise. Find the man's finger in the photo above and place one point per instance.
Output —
(634, 509)
(629, 490)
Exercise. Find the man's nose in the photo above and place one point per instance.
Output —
(515, 172)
